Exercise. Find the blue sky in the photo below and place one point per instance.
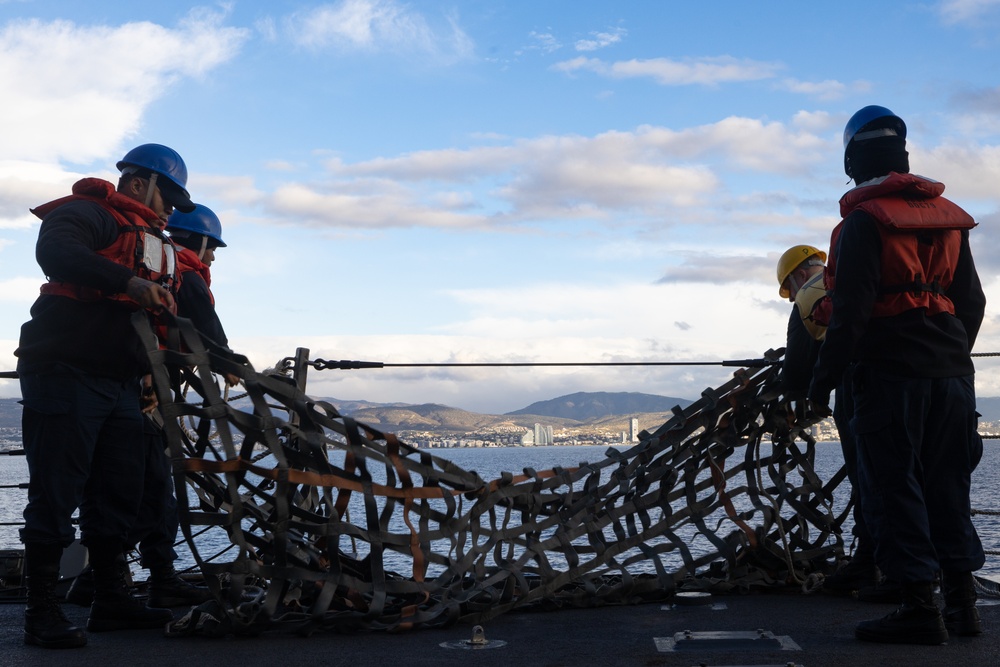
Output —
(424, 182)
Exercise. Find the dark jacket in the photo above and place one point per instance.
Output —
(96, 337)
(801, 351)
(195, 302)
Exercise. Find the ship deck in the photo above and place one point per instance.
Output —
(773, 629)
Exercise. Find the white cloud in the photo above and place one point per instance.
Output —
(19, 290)
(267, 29)
(8, 362)
(720, 269)
(823, 90)
(609, 172)
(235, 190)
(386, 208)
(19, 220)
(279, 165)
(613, 323)
(376, 26)
(490, 389)
(450, 164)
(962, 11)
(599, 40)
(978, 106)
(544, 41)
(24, 184)
(649, 173)
(705, 71)
(772, 147)
(72, 92)
(611, 311)
(968, 171)
(817, 122)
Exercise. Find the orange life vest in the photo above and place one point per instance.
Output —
(187, 260)
(921, 239)
(140, 246)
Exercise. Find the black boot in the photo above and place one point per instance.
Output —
(859, 573)
(960, 614)
(167, 589)
(45, 624)
(114, 607)
(81, 591)
(917, 621)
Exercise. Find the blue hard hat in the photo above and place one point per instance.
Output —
(868, 123)
(166, 162)
(867, 116)
(201, 220)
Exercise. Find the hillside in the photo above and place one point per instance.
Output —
(584, 406)
(604, 410)
(444, 419)
(430, 417)
(600, 410)
(597, 410)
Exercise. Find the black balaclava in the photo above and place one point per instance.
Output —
(876, 157)
(190, 240)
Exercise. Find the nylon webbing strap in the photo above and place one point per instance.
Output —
(337, 526)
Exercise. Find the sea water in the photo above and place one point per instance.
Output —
(489, 463)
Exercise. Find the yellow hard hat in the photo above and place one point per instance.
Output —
(790, 259)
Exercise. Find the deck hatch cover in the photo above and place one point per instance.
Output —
(725, 640)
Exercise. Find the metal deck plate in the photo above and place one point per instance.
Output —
(738, 640)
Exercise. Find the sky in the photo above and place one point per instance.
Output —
(436, 182)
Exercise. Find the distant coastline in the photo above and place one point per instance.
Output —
(579, 419)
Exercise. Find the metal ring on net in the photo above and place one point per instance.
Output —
(695, 505)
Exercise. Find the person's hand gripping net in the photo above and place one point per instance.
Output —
(150, 295)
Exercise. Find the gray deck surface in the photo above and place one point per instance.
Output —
(822, 627)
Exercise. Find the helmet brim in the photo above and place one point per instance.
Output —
(176, 197)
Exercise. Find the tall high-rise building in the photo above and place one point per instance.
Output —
(633, 430)
(543, 435)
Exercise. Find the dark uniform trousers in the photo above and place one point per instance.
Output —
(918, 445)
(155, 529)
(83, 443)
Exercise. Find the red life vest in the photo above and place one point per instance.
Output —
(187, 260)
(921, 239)
(140, 246)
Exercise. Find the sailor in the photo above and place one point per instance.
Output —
(907, 305)
(196, 233)
(800, 280)
(80, 363)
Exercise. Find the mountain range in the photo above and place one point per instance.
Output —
(601, 409)
(606, 410)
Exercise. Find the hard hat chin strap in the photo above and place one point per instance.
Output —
(204, 246)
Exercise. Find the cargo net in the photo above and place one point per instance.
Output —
(333, 525)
